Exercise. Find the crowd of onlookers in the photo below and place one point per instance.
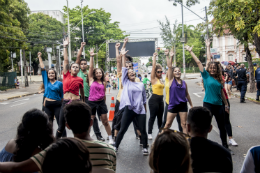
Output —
(35, 149)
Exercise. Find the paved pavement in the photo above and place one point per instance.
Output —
(244, 119)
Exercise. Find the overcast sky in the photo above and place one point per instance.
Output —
(137, 17)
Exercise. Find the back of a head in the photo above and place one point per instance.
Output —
(78, 115)
(34, 131)
(145, 75)
(129, 57)
(67, 155)
(199, 119)
(170, 153)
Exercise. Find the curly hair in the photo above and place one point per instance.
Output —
(218, 75)
(35, 131)
(94, 74)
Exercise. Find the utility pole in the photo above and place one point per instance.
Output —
(30, 67)
(69, 31)
(183, 41)
(25, 70)
(12, 61)
(21, 64)
(207, 37)
(83, 39)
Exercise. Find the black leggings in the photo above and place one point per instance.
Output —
(227, 120)
(219, 112)
(53, 108)
(126, 120)
(165, 118)
(61, 130)
(156, 107)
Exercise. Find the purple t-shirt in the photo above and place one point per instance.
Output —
(177, 94)
(133, 94)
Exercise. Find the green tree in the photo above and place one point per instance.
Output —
(44, 31)
(241, 19)
(97, 29)
(13, 23)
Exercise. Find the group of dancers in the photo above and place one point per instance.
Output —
(89, 85)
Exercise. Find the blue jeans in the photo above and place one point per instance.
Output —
(243, 87)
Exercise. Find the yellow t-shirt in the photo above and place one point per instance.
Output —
(158, 88)
(167, 90)
(119, 75)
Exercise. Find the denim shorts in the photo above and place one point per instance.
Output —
(229, 83)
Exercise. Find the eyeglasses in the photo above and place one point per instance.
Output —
(159, 71)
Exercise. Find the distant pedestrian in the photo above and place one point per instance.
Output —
(242, 82)
(17, 84)
(257, 78)
(140, 77)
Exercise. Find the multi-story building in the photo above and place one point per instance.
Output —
(56, 14)
(229, 48)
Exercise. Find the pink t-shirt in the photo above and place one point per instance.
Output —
(97, 92)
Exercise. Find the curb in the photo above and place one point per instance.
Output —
(248, 98)
(19, 96)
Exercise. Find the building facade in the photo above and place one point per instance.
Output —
(229, 48)
(56, 14)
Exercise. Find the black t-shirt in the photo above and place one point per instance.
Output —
(209, 156)
(241, 73)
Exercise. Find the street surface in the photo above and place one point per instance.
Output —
(244, 119)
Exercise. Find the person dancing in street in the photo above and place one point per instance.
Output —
(72, 84)
(179, 95)
(156, 105)
(97, 94)
(133, 101)
(53, 92)
(214, 95)
(83, 73)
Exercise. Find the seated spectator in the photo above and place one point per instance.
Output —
(207, 156)
(170, 153)
(252, 161)
(78, 119)
(34, 134)
(67, 155)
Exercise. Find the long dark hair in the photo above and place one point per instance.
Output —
(34, 131)
(94, 74)
(54, 72)
(218, 74)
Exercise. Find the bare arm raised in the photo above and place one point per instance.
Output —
(188, 48)
(80, 52)
(153, 73)
(65, 55)
(118, 58)
(123, 53)
(40, 59)
(208, 51)
(91, 66)
(169, 63)
(125, 42)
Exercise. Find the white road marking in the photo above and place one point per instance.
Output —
(4, 103)
(17, 104)
(197, 94)
(20, 100)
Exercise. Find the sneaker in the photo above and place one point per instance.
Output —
(116, 149)
(142, 145)
(150, 136)
(111, 142)
(232, 142)
(145, 152)
(138, 137)
(100, 138)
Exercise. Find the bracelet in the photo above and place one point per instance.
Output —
(227, 107)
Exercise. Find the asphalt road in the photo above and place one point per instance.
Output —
(244, 119)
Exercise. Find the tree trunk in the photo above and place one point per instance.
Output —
(251, 69)
(257, 43)
(25, 71)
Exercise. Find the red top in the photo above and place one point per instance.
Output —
(224, 90)
(72, 83)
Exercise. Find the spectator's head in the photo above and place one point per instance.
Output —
(52, 74)
(78, 117)
(129, 65)
(33, 132)
(242, 65)
(128, 58)
(74, 69)
(158, 71)
(145, 75)
(83, 64)
(254, 64)
(170, 153)
(67, 155)
(139, 75)
(199, 122)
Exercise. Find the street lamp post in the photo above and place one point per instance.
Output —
(82, 30)
(69, 30)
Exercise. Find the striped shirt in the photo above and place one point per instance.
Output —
(102, 157)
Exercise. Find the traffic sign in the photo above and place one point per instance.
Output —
(214, 51)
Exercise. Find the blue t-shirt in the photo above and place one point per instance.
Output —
(52, 91)
(212, 89)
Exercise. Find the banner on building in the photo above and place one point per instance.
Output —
(216, 56)
(135, 67)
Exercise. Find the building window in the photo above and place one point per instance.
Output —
(230, 57)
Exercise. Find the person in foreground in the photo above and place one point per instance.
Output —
(78, 119)
(170, 153)
(252, 161)
(207, 156)
(71, 154)
(34, 134)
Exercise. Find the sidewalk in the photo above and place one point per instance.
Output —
(248, 96)
(16, 93)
